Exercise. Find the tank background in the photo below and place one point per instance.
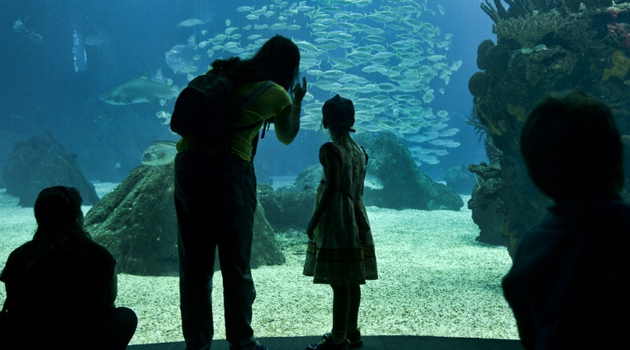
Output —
(42, 92)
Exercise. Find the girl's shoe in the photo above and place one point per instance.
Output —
(354, 338)
(328, 344)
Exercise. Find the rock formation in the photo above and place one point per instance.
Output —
(136, 221)
(41, 162)
(460, 180)
(404, 186)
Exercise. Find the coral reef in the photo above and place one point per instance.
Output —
(621, 64)
(517, 8)
(581, 48)
(529, 29)
(482, 54)
(497, 57)
(478, 84)
(518, 112)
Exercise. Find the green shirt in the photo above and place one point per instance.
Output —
(270, 104)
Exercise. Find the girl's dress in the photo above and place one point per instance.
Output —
(343, 248)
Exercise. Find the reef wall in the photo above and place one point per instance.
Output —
(541, 47)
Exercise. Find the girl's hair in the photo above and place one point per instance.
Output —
(338, 116)
(277, 60)
(58, 214)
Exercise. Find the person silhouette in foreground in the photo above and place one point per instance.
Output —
(215, 193)
(61, 286)
(341, 248)
(568, 286)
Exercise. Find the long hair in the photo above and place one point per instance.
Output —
(277, 60)
(58, 215)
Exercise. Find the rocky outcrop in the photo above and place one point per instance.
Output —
(291, 207)
(484, 203)
(404, 185)
(42, 162)
(136, 222)
(400, 185)
(460, 180)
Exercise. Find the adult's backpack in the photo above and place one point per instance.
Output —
(200, 109)
(201, 113)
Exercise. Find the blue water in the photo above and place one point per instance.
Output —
(54, 84)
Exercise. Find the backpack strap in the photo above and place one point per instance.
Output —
(253, 96)
(246, 102)
(240, 107)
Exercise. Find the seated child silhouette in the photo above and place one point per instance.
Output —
(61, 286)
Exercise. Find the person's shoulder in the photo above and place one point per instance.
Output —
(360, 148)
(17, 259)
(97, 251)
(621, 206)
(22, 252)
(329, 147)
(328, 150)
(618, 217)
(275, 93)
(541, 242)
(273, 87)
(25, 249)
(278, 90)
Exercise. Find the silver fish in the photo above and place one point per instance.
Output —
(180, 57)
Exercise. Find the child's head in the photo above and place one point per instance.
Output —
(58, 213)
(338, 115)
(572, 148)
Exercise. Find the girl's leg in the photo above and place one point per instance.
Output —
(354, 295)
(341, 307)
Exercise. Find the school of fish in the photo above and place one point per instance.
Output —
(390, 61)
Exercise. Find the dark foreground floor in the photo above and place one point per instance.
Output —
(369, 343)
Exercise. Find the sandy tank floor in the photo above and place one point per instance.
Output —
(434, 280)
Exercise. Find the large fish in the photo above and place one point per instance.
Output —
(159, 153)
(191, 22)
(372, 182)
(28, 35)
(139, 90)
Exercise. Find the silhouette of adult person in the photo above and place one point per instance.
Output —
(215, 193)
(568, 286)
(61, 286)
